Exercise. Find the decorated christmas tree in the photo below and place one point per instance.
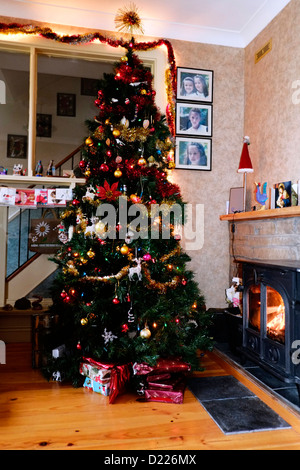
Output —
(124, 294)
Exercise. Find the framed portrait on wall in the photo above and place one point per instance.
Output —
(194, 119)
(193, 153)
(16, 146)
(194, 84)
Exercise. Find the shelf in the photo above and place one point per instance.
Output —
(41, 180)
(293, 211)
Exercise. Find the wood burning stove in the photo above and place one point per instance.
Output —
(271, 317)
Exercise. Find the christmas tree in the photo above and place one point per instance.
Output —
(123, 293)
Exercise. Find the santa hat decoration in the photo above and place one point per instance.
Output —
(245, 165)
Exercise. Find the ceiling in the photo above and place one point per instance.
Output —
(226, 22)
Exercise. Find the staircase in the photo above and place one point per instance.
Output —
(29, 273)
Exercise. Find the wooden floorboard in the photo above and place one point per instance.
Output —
(35, 414)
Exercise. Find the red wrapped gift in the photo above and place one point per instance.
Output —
(166, 396)
(167, 384)
(171, 365)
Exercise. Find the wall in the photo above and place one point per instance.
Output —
(272, 105)
(211, 263)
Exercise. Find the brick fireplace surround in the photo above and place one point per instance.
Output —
(272, 234)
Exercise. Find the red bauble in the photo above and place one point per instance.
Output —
(104, 167)
(116, 300)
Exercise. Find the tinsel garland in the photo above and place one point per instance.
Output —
(79, 39)
(160, 286)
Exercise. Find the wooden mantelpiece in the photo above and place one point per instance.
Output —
(293, 211)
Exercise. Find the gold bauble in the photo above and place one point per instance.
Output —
(116, 132)
(145, 333)
(84, 321)
(124, 58)
(141, 161)
(143, 91)
(118, 173)
(100, 228)
(124, 249)
(89, 141)
(91, 253)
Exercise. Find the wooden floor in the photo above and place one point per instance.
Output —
(35, 414)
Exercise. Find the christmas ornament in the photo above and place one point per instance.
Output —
(128, 20)
(124, 249)
(104, 167)
(145, 333)
(89, 141)
(108, 336)
(141, 161)
(100, 228)
(124, 121)
(116, 132)
(116, 300)
(84, 321)
(130, 316)
(108, 192)
(91, 253)
(118, 173)
(135, 199)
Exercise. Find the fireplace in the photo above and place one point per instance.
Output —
(271, 317)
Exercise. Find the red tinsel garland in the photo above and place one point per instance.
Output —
(86, 38)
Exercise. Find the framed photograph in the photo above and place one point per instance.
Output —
(194, 119)
(236, 200)
(16, 146)
(193, 154)
(66, 104)
(89, 86)
(43, 125)
(194, 84)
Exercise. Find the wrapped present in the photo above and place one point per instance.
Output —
(166, 396)
(171, 365)
(164, 384)
(119, 375)
(95, 373)
(97, 387)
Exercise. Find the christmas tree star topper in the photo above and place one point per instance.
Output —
(128, 20)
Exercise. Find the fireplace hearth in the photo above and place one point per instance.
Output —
(271, 317)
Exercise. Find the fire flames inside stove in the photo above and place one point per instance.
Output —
(275, 312)
(275, 315)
